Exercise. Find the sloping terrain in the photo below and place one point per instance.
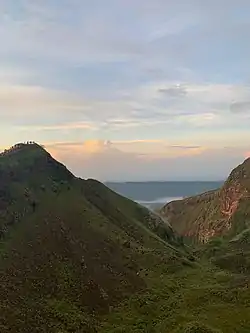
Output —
(220, 212)
(70, 249)
(212, 296)
(76, 257)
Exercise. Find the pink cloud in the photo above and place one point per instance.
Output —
(247, 154)
(105, 160)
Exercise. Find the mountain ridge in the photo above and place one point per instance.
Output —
(69, 245)
(213, 213)
(77, 257)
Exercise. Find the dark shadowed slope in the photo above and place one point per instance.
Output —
(70, 249)
(220, 212)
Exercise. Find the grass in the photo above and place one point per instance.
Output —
(208, 296)
(76, 257)
(70, 249)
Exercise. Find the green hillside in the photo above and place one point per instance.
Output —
(77, 257)
(70, 249)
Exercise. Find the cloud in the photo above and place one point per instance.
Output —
(66, 126)
(186, 147)
(52, 24)
(149, 105)
(247, 154)
(175, 91)
(8, 74)
(36, 105)
(238, 107)
(86, 158)
(98, 32)
(146, 148)
(158, 79)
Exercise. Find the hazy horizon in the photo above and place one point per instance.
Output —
(159, 193)
(165, 181)
(128, 90)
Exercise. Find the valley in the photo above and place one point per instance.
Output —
(77, 257)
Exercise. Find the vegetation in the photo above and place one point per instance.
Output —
(225, 211)
(210, 296)
(77, 257)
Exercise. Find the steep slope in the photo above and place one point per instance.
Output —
(71, 249)
(76, 257)
(220, 212)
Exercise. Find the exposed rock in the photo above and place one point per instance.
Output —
(213, 213)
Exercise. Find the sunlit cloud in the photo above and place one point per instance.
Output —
(66, 126)
(145, 106)
(106, 160)
(142, 148)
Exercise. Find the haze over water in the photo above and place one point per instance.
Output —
(155, 194)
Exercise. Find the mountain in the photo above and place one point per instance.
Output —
(76, 257)
(70, 249)
(225, 211)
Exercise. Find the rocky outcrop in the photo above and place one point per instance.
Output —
(213, 213)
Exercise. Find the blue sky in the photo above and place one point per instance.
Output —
(128, 90)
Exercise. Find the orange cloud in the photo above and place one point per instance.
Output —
(247, 154)
(67, 126)
(84, 150)
(106, 160)
(150, 149)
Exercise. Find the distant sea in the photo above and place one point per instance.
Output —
(155, 194)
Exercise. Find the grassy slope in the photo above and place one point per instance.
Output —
(84, 259)
(70, 249)
(211, 296)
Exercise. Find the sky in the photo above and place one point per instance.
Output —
(128, 89)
